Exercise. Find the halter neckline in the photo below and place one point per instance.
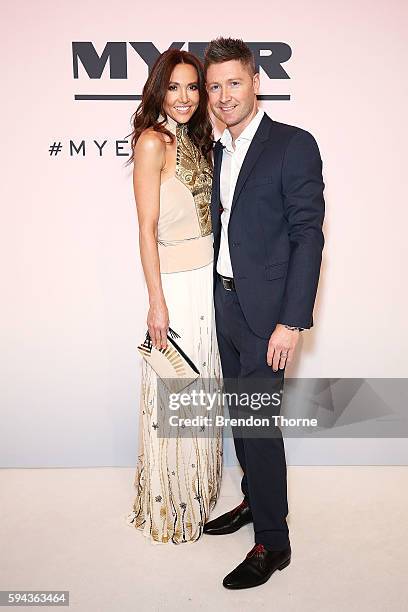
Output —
(172, 125)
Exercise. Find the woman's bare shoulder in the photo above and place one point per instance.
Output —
(150, 150)
(151, 141)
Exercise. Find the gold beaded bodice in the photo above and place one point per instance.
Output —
(194, 171)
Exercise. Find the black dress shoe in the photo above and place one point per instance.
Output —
(230, 521)
(257, 567)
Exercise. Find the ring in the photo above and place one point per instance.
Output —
(284, 354)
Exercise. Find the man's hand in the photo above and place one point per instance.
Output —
(281, 347)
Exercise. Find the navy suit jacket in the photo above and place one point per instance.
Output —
(275, 229)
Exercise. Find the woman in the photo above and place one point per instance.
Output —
(178, 477)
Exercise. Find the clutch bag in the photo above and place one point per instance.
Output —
(171, 364)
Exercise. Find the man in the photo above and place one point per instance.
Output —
(267, 214)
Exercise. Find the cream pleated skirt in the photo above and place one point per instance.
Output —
(178, 478)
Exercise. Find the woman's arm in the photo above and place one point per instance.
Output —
(149, 160)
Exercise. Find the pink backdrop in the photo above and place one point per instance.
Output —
(74, 305)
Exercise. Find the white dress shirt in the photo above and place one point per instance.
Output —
(231, 163)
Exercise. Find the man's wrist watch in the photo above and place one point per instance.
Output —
(292, 328)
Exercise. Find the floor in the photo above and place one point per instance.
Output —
(65, 529)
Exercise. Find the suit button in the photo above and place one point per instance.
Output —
(236, 244)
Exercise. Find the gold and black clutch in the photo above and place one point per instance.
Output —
(171, 364)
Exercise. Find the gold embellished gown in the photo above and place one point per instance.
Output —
(178, 478)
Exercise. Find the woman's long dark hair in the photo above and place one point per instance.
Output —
(154, 92)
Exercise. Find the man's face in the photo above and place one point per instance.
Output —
(232, 91)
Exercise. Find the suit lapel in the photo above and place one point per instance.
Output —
(254, 151)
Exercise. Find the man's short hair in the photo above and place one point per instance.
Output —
(225, 49)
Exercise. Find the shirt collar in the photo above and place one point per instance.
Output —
(247, 134)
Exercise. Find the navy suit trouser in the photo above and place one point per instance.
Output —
(261, 457)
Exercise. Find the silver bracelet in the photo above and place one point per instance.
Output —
(293, 328)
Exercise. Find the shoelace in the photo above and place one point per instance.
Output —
(256, 550)
(242, 505)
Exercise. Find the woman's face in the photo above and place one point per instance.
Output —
(182, 97)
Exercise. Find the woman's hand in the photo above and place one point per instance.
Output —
(158, 324)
